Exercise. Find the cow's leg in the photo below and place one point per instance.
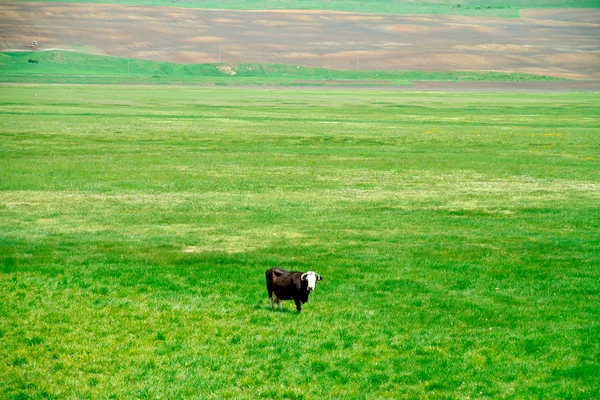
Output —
(275, 299)
(298, 305)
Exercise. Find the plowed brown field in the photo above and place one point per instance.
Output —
(563, 43)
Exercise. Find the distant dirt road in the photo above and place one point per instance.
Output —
(563, 43)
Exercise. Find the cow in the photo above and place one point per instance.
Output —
(290, 285)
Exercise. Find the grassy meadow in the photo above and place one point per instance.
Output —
(66, 67)
(457, 237)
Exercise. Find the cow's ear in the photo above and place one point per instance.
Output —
(319, 277)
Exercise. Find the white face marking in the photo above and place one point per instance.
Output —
(311, 279)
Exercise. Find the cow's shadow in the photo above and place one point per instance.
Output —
(267, 308)
(283, 310)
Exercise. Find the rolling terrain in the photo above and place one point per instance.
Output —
(560, 43)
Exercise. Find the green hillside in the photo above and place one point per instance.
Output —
(73, 67)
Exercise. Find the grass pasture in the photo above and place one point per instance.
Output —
(457, 235)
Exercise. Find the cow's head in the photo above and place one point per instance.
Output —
(311, 278)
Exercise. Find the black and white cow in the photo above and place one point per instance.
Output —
(290, 285)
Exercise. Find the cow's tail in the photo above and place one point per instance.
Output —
(269, 279)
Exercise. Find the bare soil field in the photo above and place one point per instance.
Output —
(561, 43)
(466, 86)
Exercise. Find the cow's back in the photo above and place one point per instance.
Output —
(282, 282)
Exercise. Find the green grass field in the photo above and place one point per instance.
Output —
(495, 8)
(80, 68)
(457, 235)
